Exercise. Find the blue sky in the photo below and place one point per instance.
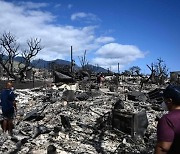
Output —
(131, 32)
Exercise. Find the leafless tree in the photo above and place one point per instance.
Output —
(159, 72)
(126, 73)
(83, 61)
(151, 77)
(27, 55)
(9, 49)
(135, 70)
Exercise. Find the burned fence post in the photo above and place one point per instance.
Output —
(33, 77)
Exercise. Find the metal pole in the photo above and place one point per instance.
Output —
(71, 59)
(118, 68)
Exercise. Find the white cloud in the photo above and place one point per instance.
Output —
(27, 23)
(78, 15)
(111, 54)
(86, 17)
(70, 6)
(57, 5)
(56, 39)
(31, 5)
(105, 39)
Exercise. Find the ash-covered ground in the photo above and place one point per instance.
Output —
(76, 121)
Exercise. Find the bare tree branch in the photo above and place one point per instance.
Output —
(27, 55)
(9, 50)
(83, 60)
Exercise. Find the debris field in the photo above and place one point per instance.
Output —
(74, 121)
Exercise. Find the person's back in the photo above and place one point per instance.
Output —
(8, 105)
(171, 124)
(7, 99)
(98, 79)
(168, 129)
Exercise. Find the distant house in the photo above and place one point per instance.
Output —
(175, 77)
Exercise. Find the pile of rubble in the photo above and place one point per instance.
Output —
(68, 120)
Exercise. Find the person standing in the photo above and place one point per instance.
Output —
(8, 107)
(168, 128)
(98, 79)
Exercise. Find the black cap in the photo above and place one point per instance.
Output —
(172, 92)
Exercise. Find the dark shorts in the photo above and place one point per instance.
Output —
(8, 114)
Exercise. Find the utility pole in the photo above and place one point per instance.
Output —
(108, 70)
(118, 68)
(71, 60)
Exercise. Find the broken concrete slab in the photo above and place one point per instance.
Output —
(156, 95)
(31, 115)
(82, 96)
(60, 77)
(119, 104)
(136, 96)
(68, 95)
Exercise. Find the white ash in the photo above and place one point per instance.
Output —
(83, 138)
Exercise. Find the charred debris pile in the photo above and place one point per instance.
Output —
(86, 117)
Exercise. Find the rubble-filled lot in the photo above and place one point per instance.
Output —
(80, 123)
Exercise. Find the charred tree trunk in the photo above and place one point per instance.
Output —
(143, 80)
(9, 50)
